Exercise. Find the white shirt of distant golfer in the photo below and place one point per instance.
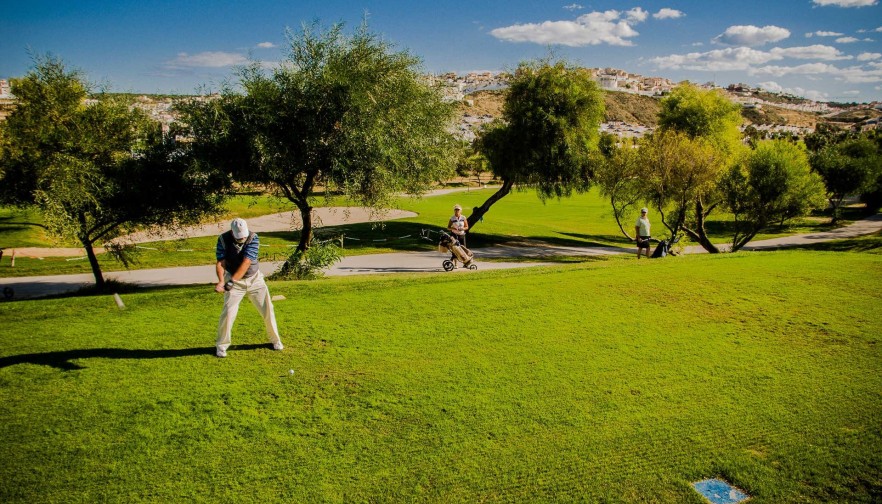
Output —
(458, 223)
(642, 225)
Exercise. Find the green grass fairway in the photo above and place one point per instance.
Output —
(583, 220)
(614, 381)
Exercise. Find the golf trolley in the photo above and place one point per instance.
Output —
(447, 244)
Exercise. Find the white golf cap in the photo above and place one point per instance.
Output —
(239, 228)
(644, 210)
(457, 207)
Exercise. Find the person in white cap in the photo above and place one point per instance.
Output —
(237, 276)
(458, 225)
(642, 230)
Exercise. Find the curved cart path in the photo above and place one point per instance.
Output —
(399, 262)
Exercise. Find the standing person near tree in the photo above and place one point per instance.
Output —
(458, 225)
(642, 230)
(238, 275)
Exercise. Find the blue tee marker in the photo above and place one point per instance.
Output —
(719, 492)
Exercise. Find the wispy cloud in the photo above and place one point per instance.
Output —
(745, 58)
(208, 59)
(608, 27)
(795, 91)
(749, 35)
(667, 13)
(846, 3)
(851, 75)
(853, 92)
(573, 7)
(823, 34)
(868, 56)
(266, 45)
(847, 40)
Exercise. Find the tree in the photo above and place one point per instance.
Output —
(772, 184)
(346, 114)
(95, 170)
(548, 134)
(679, 174)
(620, 177)
(711, 119)
(845, 168)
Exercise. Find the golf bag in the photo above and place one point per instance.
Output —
(459, 252)
(664, 248)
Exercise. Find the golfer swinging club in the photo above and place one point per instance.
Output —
(238, 275)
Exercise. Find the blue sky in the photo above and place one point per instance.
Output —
(822, 49)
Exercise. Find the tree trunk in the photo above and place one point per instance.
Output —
(618, 215)
(93, 261)
(479, 212)
(699, 234)
(306, 232)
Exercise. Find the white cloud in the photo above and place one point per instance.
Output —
(853, 92)
(697, 44)
(667, 13)
(732, 58)
(846, 40)
(743, 58)
(749, 35)
(807, 69)
(774, 87)
(878, 29)
(868, 56)
(573, 7)
(636, 15)
(868, 40)
(266, 45)
(846, 3)
(821, 33)
(208, 59)
(817, 51)
(852, 75)
(588, 29)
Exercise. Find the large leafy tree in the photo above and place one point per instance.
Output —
(846, 168)
(548, 135)
(679, 173)
(711, 119)
(773, 183)
(95, 169)
(620, 177)
(342, 113)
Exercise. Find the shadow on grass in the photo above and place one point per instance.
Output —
(63, 360)
(871, 243)
(405, 237)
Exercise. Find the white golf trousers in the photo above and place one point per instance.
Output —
(257, 291)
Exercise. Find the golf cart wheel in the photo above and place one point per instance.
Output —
(448, 265)
(473, 267)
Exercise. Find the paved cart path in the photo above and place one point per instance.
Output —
(399, 262)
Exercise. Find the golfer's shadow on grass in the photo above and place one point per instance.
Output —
(63, 360)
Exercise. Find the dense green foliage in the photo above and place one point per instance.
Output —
(95, 170)
(627, 396)
(343, 113)
(772, 184)
(548, 134)
(847, 168)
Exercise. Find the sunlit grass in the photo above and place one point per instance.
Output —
(614, 381)
(519, 218)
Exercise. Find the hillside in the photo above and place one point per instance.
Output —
(769, 115)
(622, 107)
(631, 108)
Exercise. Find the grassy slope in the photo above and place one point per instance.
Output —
(619, 381)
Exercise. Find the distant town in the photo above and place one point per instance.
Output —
(463, 88)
